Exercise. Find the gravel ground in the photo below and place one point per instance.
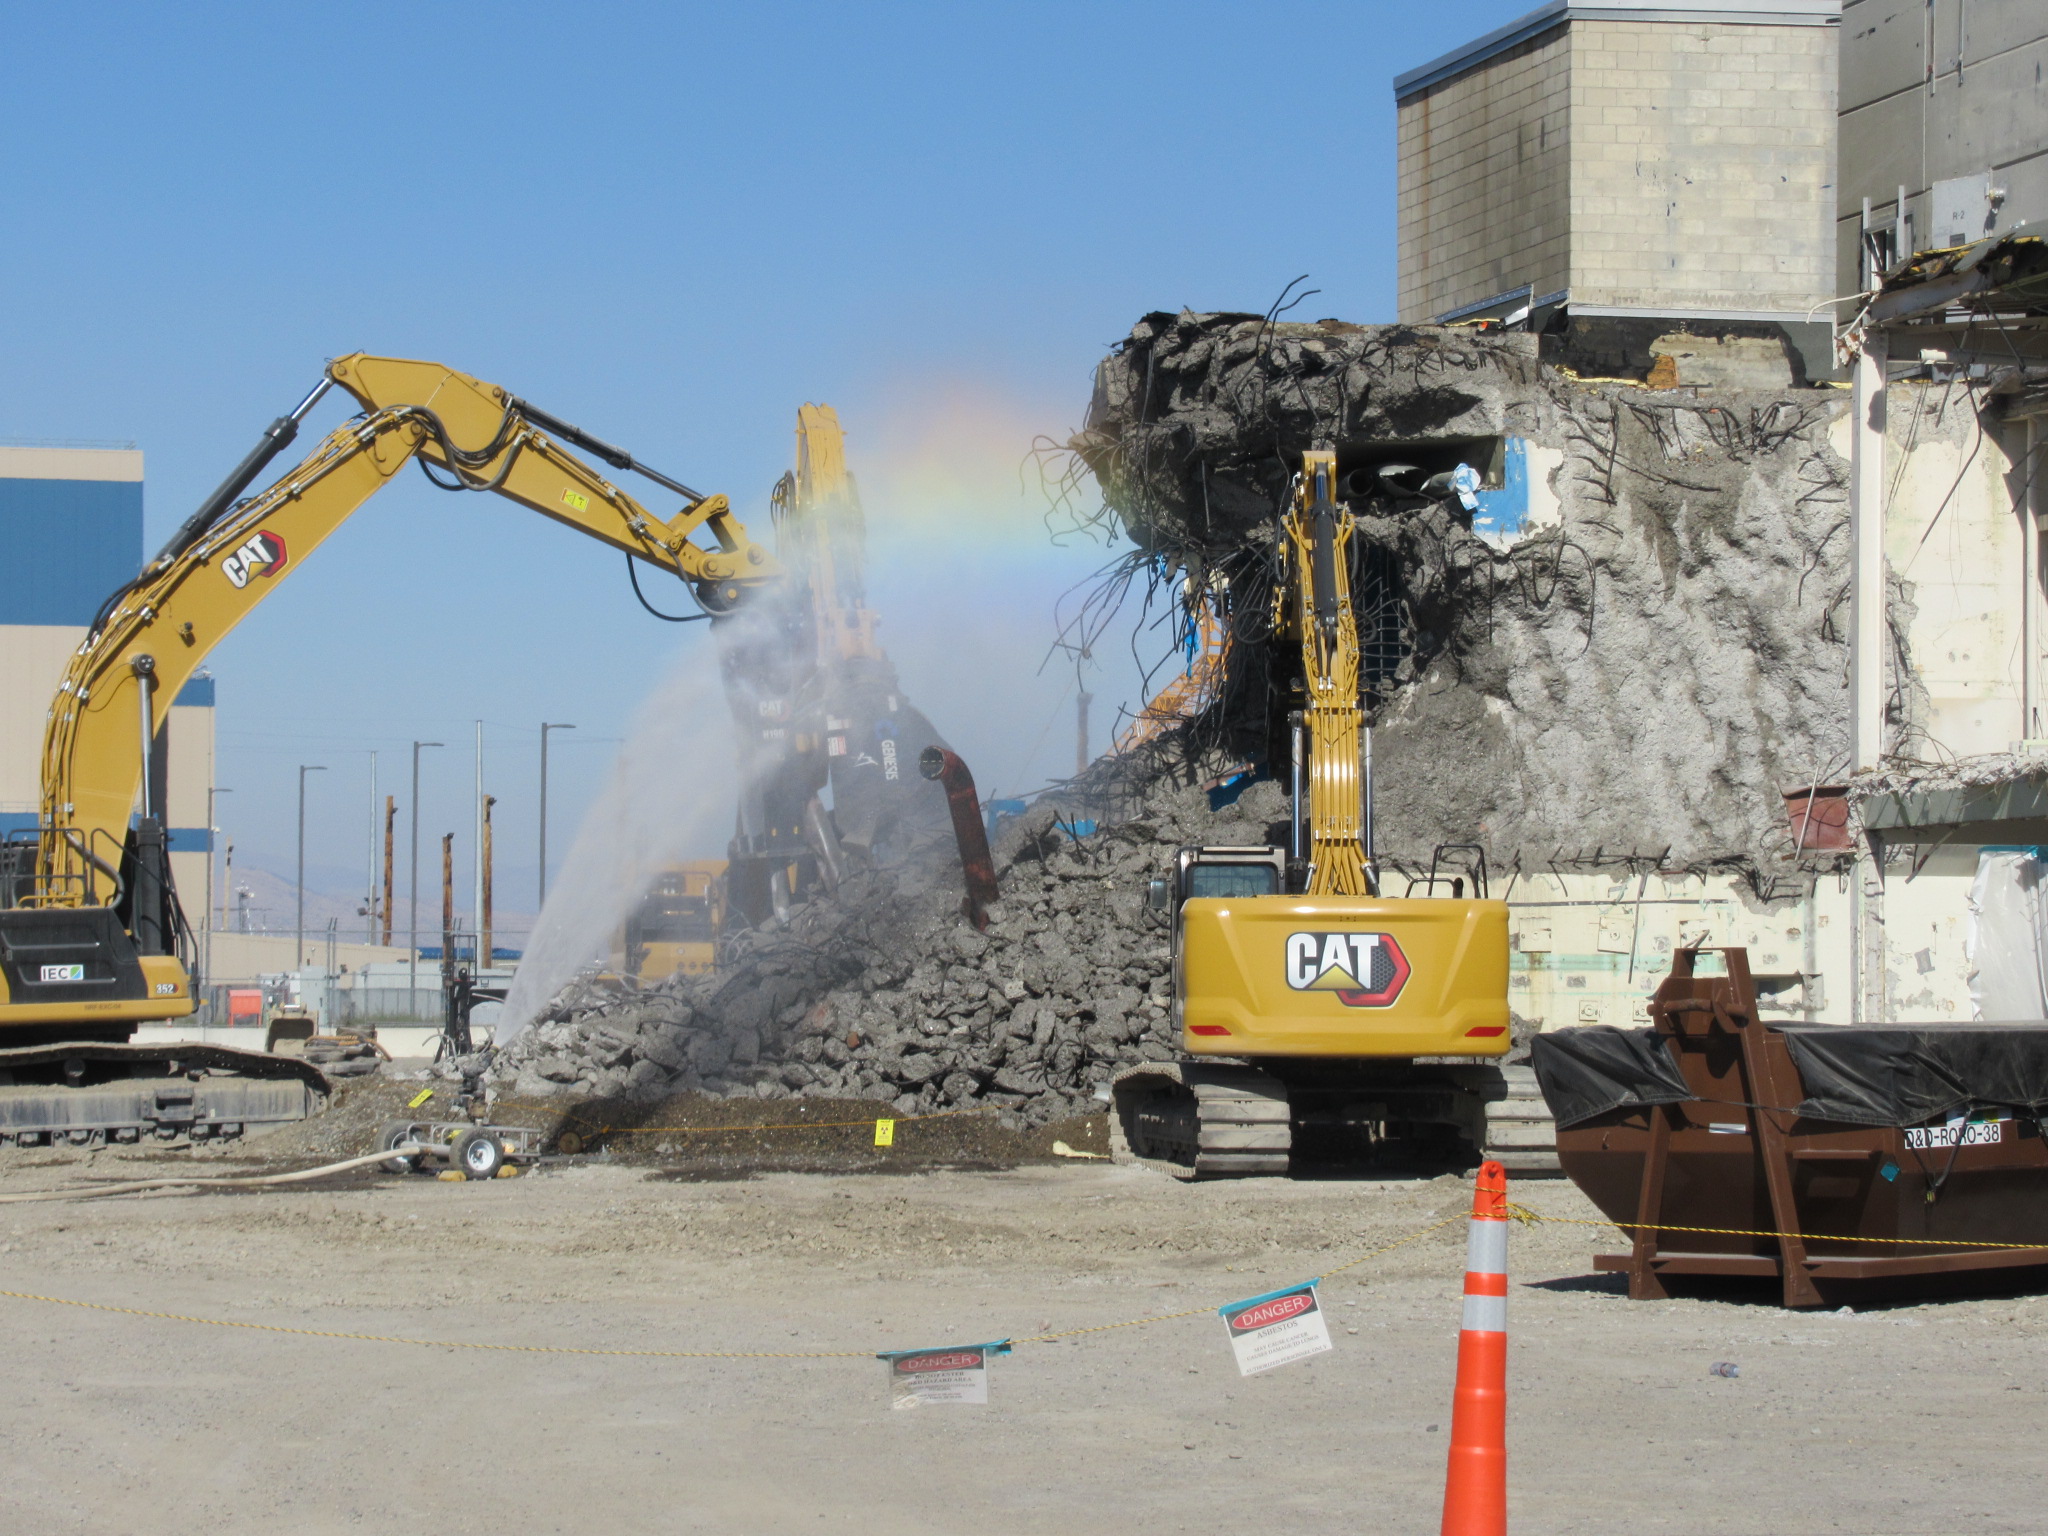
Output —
(1923, 1418)
(688, 1135)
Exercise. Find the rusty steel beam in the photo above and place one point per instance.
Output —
(975, 861)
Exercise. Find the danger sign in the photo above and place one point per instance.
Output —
(1277, 1328)
(956, 1373)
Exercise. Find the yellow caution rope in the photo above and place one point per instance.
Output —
(1524, 1214)
(648, 1354)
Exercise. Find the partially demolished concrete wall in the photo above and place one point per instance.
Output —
(1634, 646)
(1618, 661)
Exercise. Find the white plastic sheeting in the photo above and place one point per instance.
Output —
(2008, 941)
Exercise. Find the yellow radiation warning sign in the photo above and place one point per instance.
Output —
(885, 1133)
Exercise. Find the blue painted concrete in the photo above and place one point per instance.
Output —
(66, 544)
(1506, 511)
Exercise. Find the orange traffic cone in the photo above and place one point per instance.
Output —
(1476, 1485)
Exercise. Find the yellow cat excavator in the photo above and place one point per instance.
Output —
(1312, 1006)
(92, 942)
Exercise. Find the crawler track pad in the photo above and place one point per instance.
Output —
(1199, 1121)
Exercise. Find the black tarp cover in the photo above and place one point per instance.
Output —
(1905, 1075)
(1896, 1075)
(1587, 1072)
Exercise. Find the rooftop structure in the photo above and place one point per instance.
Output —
(1944, 130)
(1656, 168)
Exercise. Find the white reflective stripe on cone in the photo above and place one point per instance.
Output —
(1486, 1248)
(1486, 1314)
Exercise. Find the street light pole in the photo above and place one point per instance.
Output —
(544, 729)
(412, 901)
(206, 961)
(477, 900)
(299, 947)
(370, 906)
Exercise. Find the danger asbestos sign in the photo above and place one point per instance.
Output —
(1277, 1328)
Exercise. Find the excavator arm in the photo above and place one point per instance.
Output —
(152, 635)
(1315, 605)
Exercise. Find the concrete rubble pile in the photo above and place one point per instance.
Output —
(1637, 672)
(887, 993)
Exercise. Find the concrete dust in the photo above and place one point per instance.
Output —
(657, 806)
(1614, 1421)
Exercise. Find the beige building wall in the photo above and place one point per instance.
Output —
(32, 660)
(1702, 162)
(237, 957)
(188, 735)
(1955, 482)
(1484, 181)
(29, 462)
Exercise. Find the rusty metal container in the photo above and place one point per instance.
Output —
(1842, 1161)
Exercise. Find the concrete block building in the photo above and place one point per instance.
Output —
(1648, 168)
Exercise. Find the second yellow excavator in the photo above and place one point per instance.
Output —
(92, 941)
(1310, 1004)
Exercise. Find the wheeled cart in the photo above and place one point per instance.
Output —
(463, 1147)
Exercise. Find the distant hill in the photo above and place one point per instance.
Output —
(271, 907)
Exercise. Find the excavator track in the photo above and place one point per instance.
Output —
(95, 1094)
(1197, 1120)
(1515, 1129)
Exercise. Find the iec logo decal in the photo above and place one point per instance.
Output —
(1365, 970)
(261, 554)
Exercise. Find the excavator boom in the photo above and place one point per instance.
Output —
(91, 940)
(119, 686)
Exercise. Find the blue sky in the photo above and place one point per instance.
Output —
(671, 225)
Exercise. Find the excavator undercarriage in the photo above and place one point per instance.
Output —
(1211, 1119)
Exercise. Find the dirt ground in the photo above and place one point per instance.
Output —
(1880, 1422)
